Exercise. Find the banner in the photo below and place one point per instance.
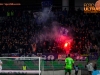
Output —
(93, 56)
(75, 56)
(51, 56)
(61, 56)
(6, 55)
(48, 56)
(55, 56)
(14, 54)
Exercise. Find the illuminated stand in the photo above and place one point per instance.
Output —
(34, 65)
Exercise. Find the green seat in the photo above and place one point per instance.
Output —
(14, 67)
(57, 67)
(9, 64)
(47, 67)
(5, 66)
(61, 64)
(81, 66)
(55, 63)
(30, 64)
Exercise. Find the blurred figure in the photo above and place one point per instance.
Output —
(0, 65)
(33, 47)
(76, 69)
(68, 64)
(90, 68)
(95, 66)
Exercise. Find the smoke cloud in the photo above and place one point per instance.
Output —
(52, 32)
(44, 16)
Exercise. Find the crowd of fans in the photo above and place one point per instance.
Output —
(17, 30)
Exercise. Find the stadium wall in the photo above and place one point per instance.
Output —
(65, 4)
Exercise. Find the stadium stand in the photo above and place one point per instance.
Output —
(17, 30)
(19, 27)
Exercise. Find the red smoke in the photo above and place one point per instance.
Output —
(65, 43)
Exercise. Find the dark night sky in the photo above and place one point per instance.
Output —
(81, 2)
(38, 2)
(31, 2)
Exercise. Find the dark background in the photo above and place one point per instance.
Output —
(30, 4)
(36, 4)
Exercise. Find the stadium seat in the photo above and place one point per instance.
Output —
(5, 66)
(81, 66)
(30, 65)
(10, 65)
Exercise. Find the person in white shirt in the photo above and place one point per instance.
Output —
(90, 68)
(0, 65)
